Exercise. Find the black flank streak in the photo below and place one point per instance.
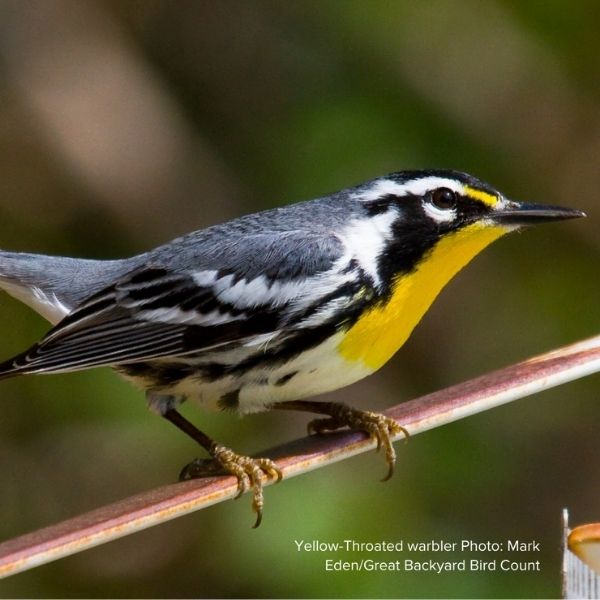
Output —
(299, 341)
(160, 375)
(170, 374)
(283, 380)
(303, 340)
(230, 400)
(212, 372)
(352, 265)
(137, 370)
(349, 289)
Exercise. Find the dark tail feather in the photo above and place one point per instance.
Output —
(21, 365)
(53, 286)
(11, 367)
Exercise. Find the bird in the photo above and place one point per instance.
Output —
(270, 309)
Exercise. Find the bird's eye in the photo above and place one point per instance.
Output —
(443, 198)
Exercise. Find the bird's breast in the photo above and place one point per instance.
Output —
(384, 328)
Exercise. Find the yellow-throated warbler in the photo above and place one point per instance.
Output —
(270, 308)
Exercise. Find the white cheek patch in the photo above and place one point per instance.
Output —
(365, 239)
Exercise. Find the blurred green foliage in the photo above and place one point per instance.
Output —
(126, 123)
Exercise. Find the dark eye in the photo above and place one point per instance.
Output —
(443, 198)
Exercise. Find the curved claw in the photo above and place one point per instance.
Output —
(379, 427)
(248, 471)
(391, 428)
(184, 474)
(259, 516)
(257, 504)
(391, 468)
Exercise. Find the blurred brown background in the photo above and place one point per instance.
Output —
(125, 123)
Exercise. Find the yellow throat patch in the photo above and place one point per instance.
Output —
(382, 330)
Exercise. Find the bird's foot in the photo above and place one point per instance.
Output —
(378, 426)
(248, 471)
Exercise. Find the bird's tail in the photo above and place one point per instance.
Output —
(11, 368)
(53, 286)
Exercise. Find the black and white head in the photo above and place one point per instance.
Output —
(406, 214)
(448, 200)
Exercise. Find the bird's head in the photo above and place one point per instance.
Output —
(449, 200)
(448, 216)
(415, 231)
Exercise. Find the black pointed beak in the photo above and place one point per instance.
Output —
(525, 213)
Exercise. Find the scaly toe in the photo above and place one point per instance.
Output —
(381, 428)
(249, 472)
(270, 468)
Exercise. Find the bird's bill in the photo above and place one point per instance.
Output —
(525, 213)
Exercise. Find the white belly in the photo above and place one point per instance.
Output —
(316, 371)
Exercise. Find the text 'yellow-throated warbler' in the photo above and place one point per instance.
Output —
(270, 308)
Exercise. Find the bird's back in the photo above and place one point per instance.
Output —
(54, 285)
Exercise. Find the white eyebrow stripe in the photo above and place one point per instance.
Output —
(381, 188)
(417, 187)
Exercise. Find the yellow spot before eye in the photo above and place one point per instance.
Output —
(485, 197)
(381, 331)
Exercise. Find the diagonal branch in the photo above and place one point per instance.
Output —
(169, 502)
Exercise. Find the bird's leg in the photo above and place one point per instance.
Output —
(247, 470)
(378, 426)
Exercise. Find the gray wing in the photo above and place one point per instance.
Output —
(170, 307)
(245, 248)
